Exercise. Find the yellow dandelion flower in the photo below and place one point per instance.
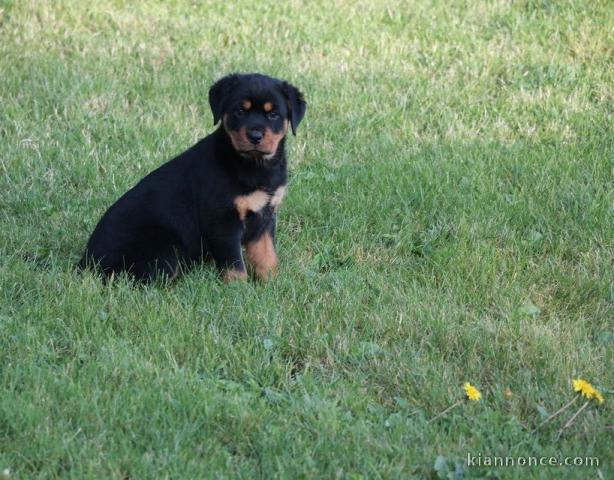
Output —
(472, 392)
(599, 397)
(586, 389)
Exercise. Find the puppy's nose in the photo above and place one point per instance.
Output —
(254, 135)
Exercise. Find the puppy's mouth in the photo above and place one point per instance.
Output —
(254, 153)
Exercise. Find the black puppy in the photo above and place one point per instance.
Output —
(213, 199)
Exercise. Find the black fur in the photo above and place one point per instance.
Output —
(185, 210)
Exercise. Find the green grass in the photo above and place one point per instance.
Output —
(449, 219)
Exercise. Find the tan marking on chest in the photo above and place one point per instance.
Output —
(278, 196)
(252, 202)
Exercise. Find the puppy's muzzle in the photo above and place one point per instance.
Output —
(255, 135)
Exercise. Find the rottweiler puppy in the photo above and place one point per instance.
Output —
(214, 199)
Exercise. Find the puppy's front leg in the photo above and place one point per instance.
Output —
(226, 252)
(261, 253)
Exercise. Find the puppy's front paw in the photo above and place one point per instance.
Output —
(265, 274)
(230, 275)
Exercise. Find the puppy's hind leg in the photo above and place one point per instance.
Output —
(164, 265)
(156, 255)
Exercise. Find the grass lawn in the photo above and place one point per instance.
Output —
(449, 219)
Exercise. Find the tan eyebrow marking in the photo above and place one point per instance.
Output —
(246, 104)
(268, 106)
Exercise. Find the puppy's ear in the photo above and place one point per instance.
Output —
(218, 94)
(296, 104)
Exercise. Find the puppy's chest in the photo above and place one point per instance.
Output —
(258, 199)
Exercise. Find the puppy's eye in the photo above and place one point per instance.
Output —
(272, 115)
(239, 112)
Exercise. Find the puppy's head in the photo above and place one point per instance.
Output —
(256, 111)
